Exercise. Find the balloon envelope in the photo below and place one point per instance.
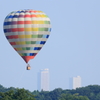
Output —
(27, 31)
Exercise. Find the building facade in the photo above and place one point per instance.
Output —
(43, 80)
(75, 82)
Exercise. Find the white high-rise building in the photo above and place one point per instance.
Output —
(75, 82)
(43, 80)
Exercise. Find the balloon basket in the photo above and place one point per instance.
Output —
(28, 67)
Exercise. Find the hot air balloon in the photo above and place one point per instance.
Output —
(27, 31)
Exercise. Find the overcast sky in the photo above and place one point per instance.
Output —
(72, 49)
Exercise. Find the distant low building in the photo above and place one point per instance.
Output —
(75, 82)
(43, 80)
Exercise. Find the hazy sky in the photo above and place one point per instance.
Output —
(72, 49)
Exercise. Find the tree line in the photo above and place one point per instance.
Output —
(91, 92)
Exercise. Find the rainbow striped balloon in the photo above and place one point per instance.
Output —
(27, 31)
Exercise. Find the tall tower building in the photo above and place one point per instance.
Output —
(75, 82)
(43, 80)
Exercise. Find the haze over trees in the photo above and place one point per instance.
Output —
(91, 92)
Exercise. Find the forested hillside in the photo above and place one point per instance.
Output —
(91, 92)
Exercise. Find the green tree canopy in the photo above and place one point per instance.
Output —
(72, 97)
(20, 94)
